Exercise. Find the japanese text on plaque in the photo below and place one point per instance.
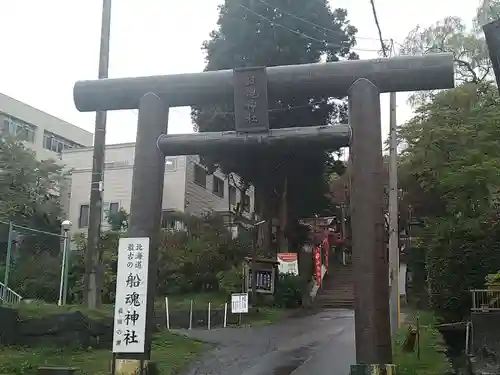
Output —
(131, 296)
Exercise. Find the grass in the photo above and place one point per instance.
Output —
(170, 352)
(38, 309)
(265, 315)
(433, 360)
(200, 301)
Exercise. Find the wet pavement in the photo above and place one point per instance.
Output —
(318, 344)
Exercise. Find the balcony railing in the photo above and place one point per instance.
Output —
(11, 297)
(485, 300)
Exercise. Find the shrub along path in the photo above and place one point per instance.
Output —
(433, 360)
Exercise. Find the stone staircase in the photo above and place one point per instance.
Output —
(337, 291)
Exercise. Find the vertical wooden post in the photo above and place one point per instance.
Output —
(167, 313)
(225, 315)
(191, 315)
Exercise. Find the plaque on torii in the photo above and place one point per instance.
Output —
(250, 100)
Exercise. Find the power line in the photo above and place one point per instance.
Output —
(384, 50)
(338, 32)
(302, 34)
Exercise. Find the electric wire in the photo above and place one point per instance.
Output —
(338, 32)
(274, 23)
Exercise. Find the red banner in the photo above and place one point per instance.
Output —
(326, 249)
(317, 264)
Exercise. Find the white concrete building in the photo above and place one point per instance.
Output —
(187, 187)
(47, 135)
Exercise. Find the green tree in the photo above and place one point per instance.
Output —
(118, 220)
(29, 188)
(451, 34)
(269, 33)
(488, 11)
(29, 197)
(450, 169)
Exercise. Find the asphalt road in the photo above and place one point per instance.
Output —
(318, 344)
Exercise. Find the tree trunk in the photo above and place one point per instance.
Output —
(283, 219)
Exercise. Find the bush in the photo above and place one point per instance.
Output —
(202, 259)
(433, 360)
(36, 277)
(458, 246)
(108, 247)
(288, 293)
(230, 281)
(192, 261)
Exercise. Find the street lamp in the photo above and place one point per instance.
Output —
(63, 285)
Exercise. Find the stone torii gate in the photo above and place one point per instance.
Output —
(361, 80)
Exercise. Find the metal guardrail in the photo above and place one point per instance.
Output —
(11, 297)
(485, 300)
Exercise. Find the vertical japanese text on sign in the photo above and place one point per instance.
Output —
(131, 296)
(250, 100)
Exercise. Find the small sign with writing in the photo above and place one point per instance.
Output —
(129, 334)
(239, 303)
(250, 100)
(264, 280)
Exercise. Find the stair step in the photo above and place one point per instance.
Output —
(337, 290)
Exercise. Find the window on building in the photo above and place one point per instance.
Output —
(246, 203)
(110, 208)
(218, 187)
(4, 127)
(170, 164)
(169, 221)
(200, 175)
(232, 195)
(83, 220)
(56, 143)
(20, 129)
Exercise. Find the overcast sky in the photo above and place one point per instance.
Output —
(48, 45)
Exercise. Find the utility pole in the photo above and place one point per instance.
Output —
(393, 218)
(92, 255)
(394, 299)
(393, 198)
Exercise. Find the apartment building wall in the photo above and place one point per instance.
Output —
(184, 190)
(45, 134)
(205, 195)
(119, 161)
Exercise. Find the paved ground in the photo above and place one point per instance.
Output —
(319, 344)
